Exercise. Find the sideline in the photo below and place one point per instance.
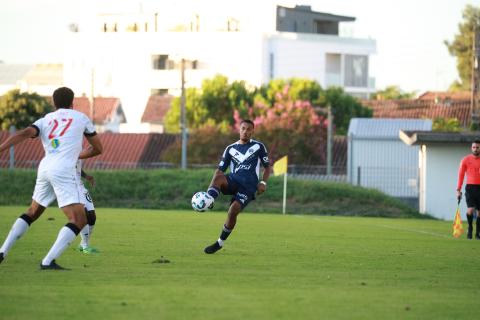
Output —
(434, 234)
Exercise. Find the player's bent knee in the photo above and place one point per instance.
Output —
(91, 217)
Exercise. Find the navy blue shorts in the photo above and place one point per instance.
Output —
(239, 193)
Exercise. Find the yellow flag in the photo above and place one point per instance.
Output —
(457, 224)
(280, 167)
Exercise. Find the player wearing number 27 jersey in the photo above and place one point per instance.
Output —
(61, 133)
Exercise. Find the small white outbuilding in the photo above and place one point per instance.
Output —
(439, 159)
(377, 158)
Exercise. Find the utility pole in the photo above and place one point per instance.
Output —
(12, 150)
(91, 99)
(183, 113)
(475, 98)
(329, 139)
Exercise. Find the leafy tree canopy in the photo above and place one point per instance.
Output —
(392, 93)
(462, 46)
(20, 109)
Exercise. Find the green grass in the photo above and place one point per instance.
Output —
(273, 267)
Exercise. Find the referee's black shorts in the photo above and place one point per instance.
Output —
(472, 195)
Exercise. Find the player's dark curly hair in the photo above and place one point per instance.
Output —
(248, 121)
(63, 98)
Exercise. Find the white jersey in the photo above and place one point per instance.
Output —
(62, 133)
(79, 169)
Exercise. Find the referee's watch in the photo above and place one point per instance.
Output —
(263, 182)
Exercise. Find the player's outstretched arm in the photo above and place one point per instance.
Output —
(94, 149)
(18, 137)
(262, 185)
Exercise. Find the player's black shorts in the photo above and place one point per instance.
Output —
(239, 192)
(472, 195)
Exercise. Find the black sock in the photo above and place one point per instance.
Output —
(470, 221)
(478, 225)
(225, 233)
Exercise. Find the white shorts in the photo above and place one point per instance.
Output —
(88, 199)
(62, 185)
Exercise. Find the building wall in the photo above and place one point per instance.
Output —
(439, 174)
(385, 164)
(120, 64)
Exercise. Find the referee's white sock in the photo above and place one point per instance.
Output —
(66, 235)
(19, 227)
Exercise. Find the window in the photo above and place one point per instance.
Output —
(161, 62)
(158, 92)
(356, 71)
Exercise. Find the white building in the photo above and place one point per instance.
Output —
(40, 78)
(439, 159)
(135, 56)
(377, 158)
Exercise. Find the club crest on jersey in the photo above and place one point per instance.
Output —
(55, 143)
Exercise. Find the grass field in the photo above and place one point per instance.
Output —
(273, 267)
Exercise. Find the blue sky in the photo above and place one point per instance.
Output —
(409, 33)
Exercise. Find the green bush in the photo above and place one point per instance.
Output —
(173, 189)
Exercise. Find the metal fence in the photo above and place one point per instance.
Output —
(395, 181)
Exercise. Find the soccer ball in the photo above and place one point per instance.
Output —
(202, 201)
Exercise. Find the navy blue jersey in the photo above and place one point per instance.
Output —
(244, 162)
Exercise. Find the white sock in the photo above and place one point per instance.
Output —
(220, 242)
(19, 227)
(85, 235)
(65, 237)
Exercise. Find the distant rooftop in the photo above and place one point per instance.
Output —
(385, 128)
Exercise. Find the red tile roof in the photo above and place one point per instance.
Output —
(421, 109)
(121, 151)
(441, 95)
(156, 109)
(104, 108)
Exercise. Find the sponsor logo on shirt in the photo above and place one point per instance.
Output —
(244, 167)
(55, 143)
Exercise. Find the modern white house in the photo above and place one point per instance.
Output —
(377, 158)
(134, 56)
(439, 159)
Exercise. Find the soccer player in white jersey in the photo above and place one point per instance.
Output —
(61, 133)
(86, 232)
(244, 158)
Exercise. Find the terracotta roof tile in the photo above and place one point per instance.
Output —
(421, 109)
(105, 108)
(121, 151)
(441, 95)
(156, 109)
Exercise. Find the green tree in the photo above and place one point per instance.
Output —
(21, 109)
(446, 125)
(462, 46)
(296, 88)
(344, 107)
(212, 105)
(392, 93)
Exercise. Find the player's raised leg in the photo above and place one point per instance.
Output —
(20, 226)
(219, 183)
(76, 221)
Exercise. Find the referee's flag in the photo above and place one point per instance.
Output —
(457, 224)
(280, 166)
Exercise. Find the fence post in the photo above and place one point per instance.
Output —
(359, 175)
(12, 150)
